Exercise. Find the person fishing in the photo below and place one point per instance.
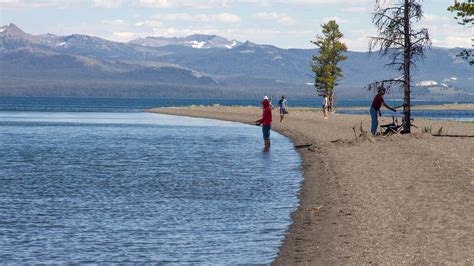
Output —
(375, 109)
(266, 122)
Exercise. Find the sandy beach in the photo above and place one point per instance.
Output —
(403, 199)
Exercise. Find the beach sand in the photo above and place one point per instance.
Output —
(402, 199)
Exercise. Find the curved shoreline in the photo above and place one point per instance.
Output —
(358, 207)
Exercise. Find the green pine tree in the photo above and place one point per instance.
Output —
(325, 66)
(464, 11)
(465, 16)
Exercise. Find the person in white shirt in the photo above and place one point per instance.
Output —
(325, 106)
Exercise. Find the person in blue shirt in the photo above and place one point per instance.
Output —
(283, 107)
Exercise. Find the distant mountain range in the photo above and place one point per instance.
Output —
(200, 66)
(198, 41)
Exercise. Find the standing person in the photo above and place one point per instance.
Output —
(325, 106)
(266, 122)
(283, 107)
(375, 109)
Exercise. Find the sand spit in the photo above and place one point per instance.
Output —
(404, 199)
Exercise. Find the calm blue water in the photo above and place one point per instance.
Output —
(97, 180)
(455, 115)
(137, 187)
(58, 104)
(62, 104)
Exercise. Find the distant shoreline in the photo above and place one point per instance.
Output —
(368, 201)
(426, 107)
(416, 107)
(146, 103)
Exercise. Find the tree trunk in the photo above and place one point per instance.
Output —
(406, 69)
(331, 101)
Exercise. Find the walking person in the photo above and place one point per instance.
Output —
(266, 122)
(375, 109)
(325, 106)
(283, 107)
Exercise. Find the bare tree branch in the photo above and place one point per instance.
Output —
(398, 40)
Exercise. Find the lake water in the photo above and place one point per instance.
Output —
(453, 115)
(98, 180)
(91, 187)
(64, 104)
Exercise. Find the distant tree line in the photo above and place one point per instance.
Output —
(139, 89)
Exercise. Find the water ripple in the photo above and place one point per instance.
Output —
(134, 187)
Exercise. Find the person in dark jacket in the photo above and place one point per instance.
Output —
(375, 109)
(266, 122)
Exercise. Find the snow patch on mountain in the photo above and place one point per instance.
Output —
(426, 83)
(196, 44)
(247, 52)
(450, 79)
(4, 28)
(197, 41)
(232, 45)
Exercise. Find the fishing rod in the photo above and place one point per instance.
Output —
(403, 105)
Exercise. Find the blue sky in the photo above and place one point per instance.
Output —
(284, 23)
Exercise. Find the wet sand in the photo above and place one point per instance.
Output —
(403, 199)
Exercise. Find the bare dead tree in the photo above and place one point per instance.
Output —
(401, 42)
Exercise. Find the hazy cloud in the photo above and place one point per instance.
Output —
(30, 4)
(197, 4)
(337, 19)
(226, 18)
(149, 23)
(107, 3)
(116, 22)
(187, 17)
(358, 40)
(451, 35)
(255, 20)
(282, 18)
(234, 3)
(429, 18)
(358, 9)
(123, 36)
